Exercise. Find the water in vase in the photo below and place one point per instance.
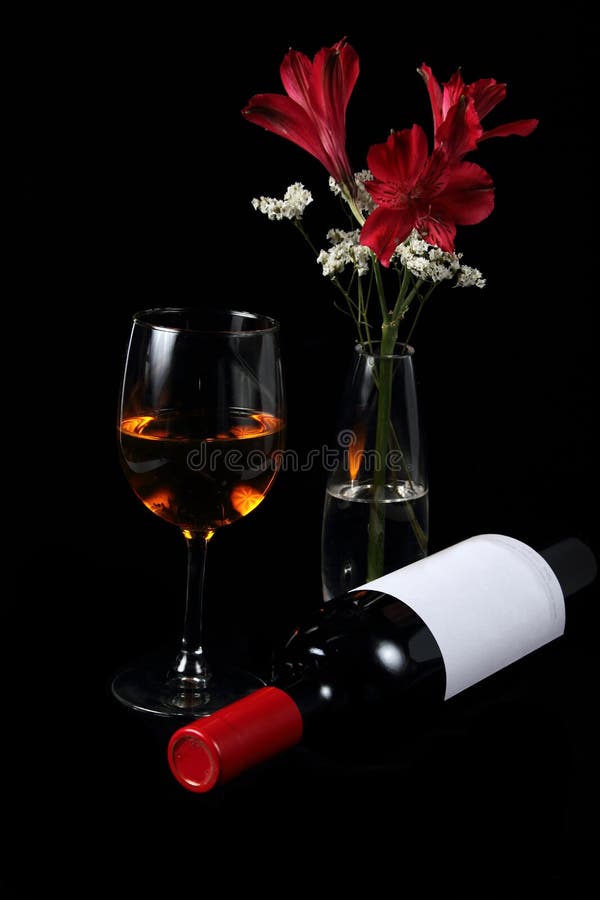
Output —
(345, 530)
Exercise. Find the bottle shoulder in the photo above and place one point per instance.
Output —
(363, 636)
(360, 613)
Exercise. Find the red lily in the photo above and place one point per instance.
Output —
(413, 189)
(459, 108)
(313, 114)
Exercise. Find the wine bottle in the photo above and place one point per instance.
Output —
(418, 635)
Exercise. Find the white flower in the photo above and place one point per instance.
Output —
(345, 250)
(425, 260)
(364, 201)
(295, 201)
(469, 277)
(430, 263)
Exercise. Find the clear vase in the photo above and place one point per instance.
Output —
(375, 518)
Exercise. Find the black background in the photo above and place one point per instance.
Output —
(138, 172)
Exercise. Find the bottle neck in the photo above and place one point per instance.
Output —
(573, 563)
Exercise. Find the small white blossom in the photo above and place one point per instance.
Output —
(364, 201)
(470, 277)
(425, 260)
(295, 201)
(430, 263)
(345, 250)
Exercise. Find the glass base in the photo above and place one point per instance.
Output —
(147, 687)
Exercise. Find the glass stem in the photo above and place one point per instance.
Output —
(191, 669)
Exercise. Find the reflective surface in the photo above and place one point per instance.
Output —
(201, 422)
(376, 510)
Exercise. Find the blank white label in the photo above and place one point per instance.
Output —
(488, 601)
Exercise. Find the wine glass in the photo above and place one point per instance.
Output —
(201, 428)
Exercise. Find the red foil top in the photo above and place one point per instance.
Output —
(216, 748)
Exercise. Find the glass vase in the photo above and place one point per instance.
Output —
(375, 517)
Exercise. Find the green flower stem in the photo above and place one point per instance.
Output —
(362, 306)
(405, 299)
(381, 293)
(376, 536)
(416, 527)
(418, 532)
(404, 279)
(358, 317)
(350, 199)
(384, 432)
(422, 303)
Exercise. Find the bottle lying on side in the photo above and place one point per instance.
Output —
(419, 635)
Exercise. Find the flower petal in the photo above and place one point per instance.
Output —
(285, 117)
(435, 94)
(434, 177)
(334, 73)
(453, 91)
(385, 229)
(386, 193)
(313, 114)
(522, 127)
(486, 94)
(461, 129)
(401, 159)
(438, 231)
(468, 197)
(295, 72)
(457, 128)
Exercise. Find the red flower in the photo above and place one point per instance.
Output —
(413, 189)
(459, 108)
(313, 114)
